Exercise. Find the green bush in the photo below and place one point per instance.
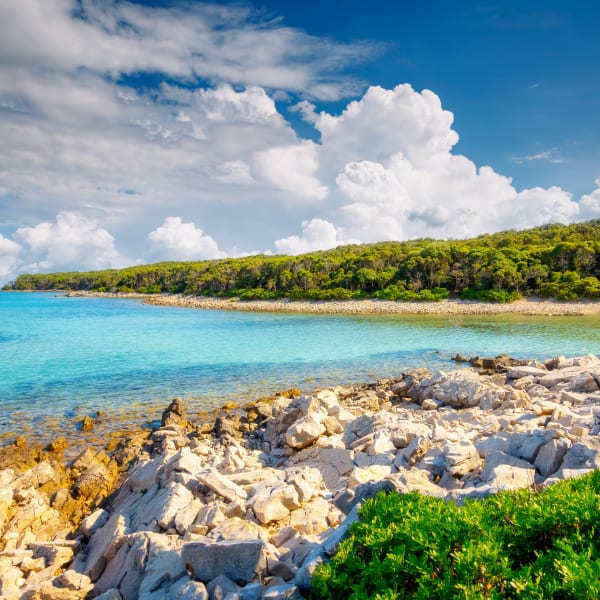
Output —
(512, 545)
(399, 293)
(500, 296)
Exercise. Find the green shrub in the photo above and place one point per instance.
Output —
(512, 545)
(500, 296)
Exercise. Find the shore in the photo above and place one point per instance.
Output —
(251, 503)
(530, 306)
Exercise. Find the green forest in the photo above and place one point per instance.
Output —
(555, 261)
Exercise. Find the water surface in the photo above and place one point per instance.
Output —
(61, 358)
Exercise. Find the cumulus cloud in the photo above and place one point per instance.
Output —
(317, 234)
(116, 115)
(291, 169)
(9, 254)
(176, 240)
(396, 176)
(589, 205)
(71, 242)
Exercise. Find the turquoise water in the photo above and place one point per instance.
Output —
(64, 357)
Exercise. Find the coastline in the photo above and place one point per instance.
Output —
(280, 480)
(527, 306)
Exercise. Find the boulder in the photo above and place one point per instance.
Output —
(305, 431)
(550, 456)
(174, 414)
(212, 479)
(186, 589)
(517, 372)
(235, 559)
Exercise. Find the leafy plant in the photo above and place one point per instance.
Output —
(515, 544)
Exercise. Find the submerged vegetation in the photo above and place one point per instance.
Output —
(515, 544)
(555, 261)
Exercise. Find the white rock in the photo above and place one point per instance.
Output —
(550, 456)
(516, 372)
(305, 431)
(212, 479)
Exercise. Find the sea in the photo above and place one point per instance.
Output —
(62, 358)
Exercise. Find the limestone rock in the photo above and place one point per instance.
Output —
(185, 589)
(550, 456)
(305, 431)
(236, 559)
(174, 414)
(212, 479)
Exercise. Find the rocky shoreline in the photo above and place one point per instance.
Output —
(526, 306)
(247, 506)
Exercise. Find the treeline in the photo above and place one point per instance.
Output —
(555, 261)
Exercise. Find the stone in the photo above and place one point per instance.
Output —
(235, 528)
(305, 431)
(102, 543)
(278, 568)
(506, 477)
(72, 580)
(550, 456)
(306, 483)
(303, 577)
(517, 372)
(174, 414)
(269, 503)
(311, 518)
(526, 446)
(210, 515)
(496, 459)
(11, 581)
(186, 516)
(381, 444)
(252, 591)
(169, 502)
(93, 522)
(461, 459)
(222, 588)
(112, 594)
(283, 592)
(185, 589)
(212, 479)
(236, 559)
(347, 499)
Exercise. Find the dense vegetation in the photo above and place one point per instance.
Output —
(554, 260)
(512, 545)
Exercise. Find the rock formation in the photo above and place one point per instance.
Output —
(250, 507)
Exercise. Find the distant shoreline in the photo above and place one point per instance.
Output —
(527, 306)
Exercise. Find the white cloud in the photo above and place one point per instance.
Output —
(175, 240)
(210, 41)
(317, 234)
(396, 176)
(589, 205)
(291, 169)
(71, 242)
(9, 254)
(207, 142)
(552, 156)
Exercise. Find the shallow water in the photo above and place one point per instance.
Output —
(62, 358)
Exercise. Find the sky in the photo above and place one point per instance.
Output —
(137, 132)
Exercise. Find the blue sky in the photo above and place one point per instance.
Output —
(133, 132)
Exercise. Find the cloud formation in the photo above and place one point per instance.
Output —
(175, 240)
(115, 117)
(71, 242)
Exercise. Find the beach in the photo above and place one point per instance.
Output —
(530, 306)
